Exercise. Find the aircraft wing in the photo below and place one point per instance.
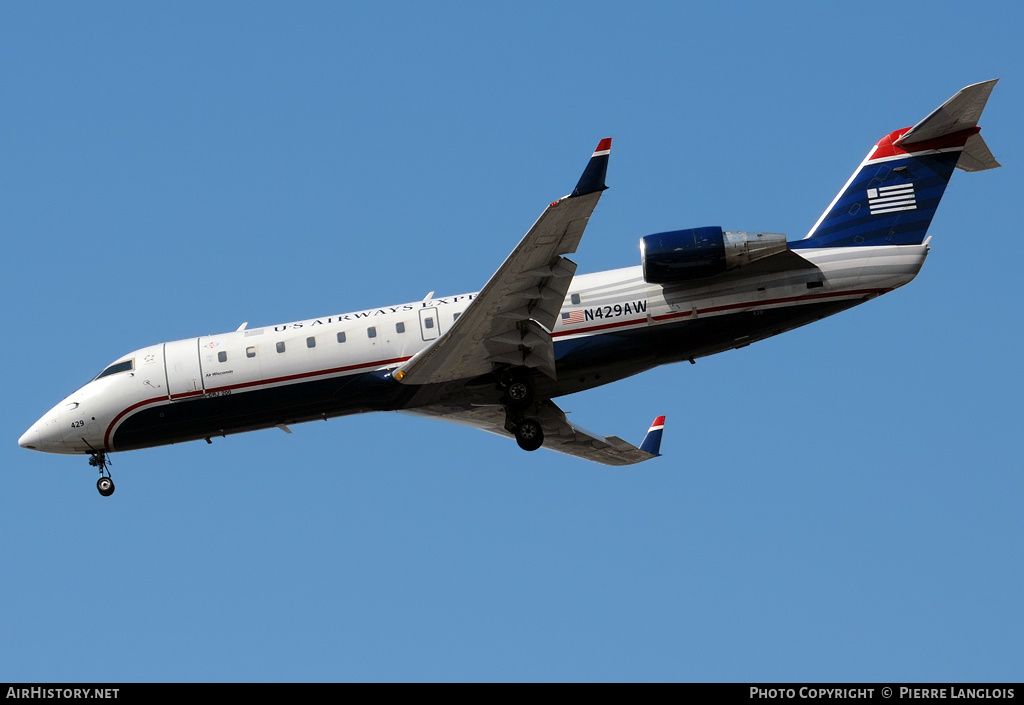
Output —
(510, 320)
(559, 434)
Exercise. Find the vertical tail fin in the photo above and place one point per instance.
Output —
(892, 197)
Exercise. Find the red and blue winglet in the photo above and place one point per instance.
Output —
(593, 176)
(652, 441)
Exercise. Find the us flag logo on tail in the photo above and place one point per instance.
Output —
(888, 199)
(573, 317)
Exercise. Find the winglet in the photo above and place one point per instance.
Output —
(652, 441)
(593, 176)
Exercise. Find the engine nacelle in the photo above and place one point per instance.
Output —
(699, 253)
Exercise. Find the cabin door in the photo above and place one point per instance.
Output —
(184, 378)
(430, 323)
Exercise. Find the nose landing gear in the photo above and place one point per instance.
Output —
(105, 484)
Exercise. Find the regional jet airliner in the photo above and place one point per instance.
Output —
(496, 359)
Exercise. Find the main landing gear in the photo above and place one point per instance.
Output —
(519, 393)
(105, 484)
(518, 397)
(529, 434)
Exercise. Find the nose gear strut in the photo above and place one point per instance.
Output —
(98, 459)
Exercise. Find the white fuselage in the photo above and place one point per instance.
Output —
(237, 364)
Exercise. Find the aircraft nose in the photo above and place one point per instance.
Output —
(30, 439)
(45, 434)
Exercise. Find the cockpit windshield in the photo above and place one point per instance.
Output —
(123, 366)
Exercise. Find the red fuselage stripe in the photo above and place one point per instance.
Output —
(275, 380)
(381, 363)
(716, 309)
(301, 375)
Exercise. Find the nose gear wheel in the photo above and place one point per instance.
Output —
(105, 485)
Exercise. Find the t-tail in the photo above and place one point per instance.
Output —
(892, 196)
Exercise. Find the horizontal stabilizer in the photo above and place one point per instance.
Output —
(976, 156)
(961, 112)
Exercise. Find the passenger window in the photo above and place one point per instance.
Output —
(428, 322)
(250, 351)
(341, 337)
(456, 316)
(310, 342)
(371, 332)
(222, 356)
(280, 347)
(575, 298)
(399, 327)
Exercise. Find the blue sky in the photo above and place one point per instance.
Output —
(838, 503)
